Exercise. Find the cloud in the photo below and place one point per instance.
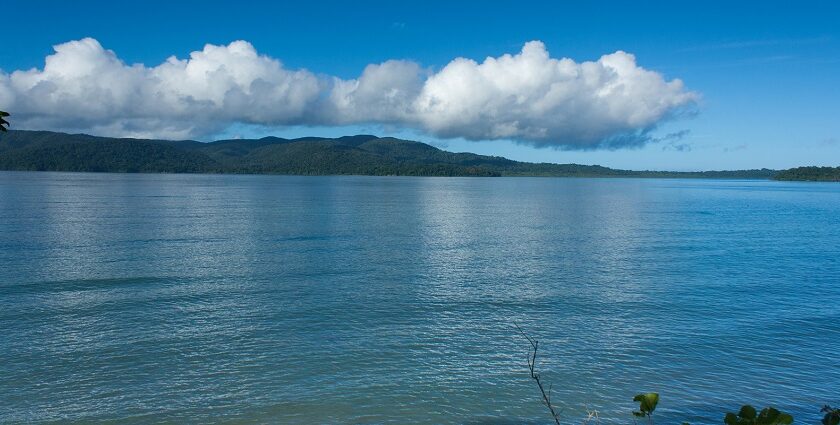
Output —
(672, 141)
(549, 102)
(679, 147)
(736, 148)
(527, 97)
(384, 93)
(85, 87)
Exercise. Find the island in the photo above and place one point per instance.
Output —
(350, 155)
(825, 174)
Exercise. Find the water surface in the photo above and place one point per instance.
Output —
(199, 298)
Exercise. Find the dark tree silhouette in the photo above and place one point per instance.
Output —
(3, 122)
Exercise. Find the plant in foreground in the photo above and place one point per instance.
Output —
(3, 122)
(748, 416)
(832, 416)
(647, 404)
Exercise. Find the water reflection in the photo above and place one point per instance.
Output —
(266, 298)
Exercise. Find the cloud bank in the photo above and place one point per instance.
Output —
(528, 97)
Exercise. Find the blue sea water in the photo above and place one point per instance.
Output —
(275, 299)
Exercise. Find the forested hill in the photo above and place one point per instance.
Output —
(362, 154)
(825, 174)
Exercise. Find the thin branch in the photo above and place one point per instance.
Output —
(532, 363)
(590, 415)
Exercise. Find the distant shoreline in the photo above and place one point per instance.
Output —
(360, 155)
(164, 173)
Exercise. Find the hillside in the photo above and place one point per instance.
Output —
(361, 154)
(825, 174)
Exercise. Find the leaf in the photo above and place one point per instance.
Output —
(832, 416)
(747, 412)
(785, 419)
(647, 403)
(731, 419)
(771, 416)
(767, 416)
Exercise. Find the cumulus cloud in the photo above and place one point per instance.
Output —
(384, 93)
(85, 87)
(528, 97)
(532, 97)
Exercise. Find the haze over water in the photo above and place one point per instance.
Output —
(196, 298)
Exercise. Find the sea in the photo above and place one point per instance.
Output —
(160, 298)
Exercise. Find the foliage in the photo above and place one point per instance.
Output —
(362, 154)
(3, 123)
(832, 416)
(830, 174)
(647, 404)
(768, 416)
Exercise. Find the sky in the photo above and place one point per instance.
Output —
(635, 85)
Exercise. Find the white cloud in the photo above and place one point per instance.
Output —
(532, 97)
(528, 97)
(85, 87)
(384, 93)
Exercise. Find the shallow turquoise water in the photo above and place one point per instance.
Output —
(180, 298)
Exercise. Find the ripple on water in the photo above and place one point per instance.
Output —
(146, 298)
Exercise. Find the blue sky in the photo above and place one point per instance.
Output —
(767, 73)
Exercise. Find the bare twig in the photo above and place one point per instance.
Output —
(592, 415)
(532, 362)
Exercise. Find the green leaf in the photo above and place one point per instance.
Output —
(771, 416)
(767, 416)
(731, 419)
(832, 416)
(647, 403)
(785, 419)
(747, 412)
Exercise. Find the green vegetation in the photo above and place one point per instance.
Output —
(360, 155)
(832, 416)
(647, 404)
(825, 174)
(747, 415)
(768, 416)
